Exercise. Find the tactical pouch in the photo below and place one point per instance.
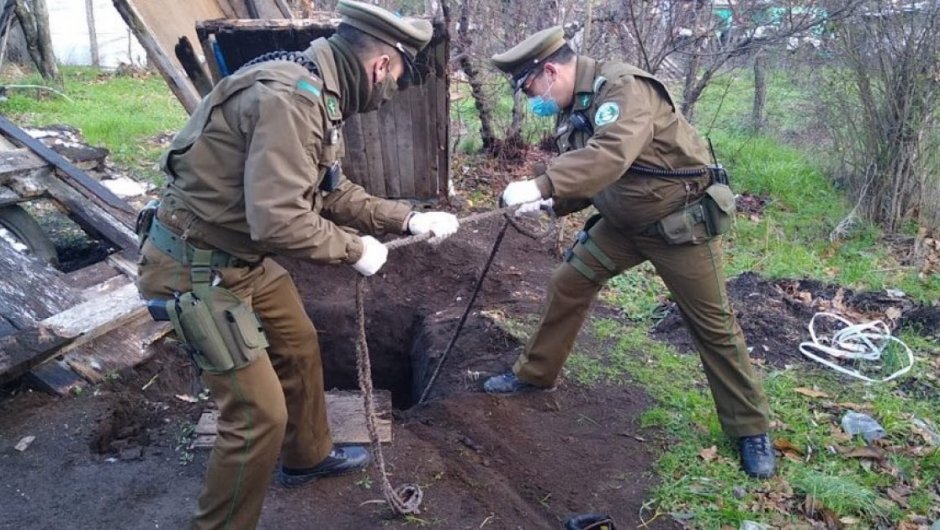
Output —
(220, 330)
(719, 209)
(700, 221)
(684, 226)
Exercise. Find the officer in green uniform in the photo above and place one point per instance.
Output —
(627, 150)
(254, 173)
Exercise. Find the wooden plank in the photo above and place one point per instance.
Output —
(96, 317)
(122, 348)
(8, 196)
(419, 134)
(442, 109)
(373, 149)
(388, 135)
(430, 180)
(27, 186)
(186, 55)
(209, 54)
(76, 177)
(18, 162)
(91, 217)
(108, 286)
(177, 20)
(405, 142)
(90, 276)
(345, 412)
(25, 349)
(30, 291)
(77, 325)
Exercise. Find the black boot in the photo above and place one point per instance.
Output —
(340, 461)
(509, 383)
(757, 455)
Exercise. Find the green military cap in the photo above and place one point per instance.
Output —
(521, 60)
(408, 35)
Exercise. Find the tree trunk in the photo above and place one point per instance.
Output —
(760, 93)
(487, 136)
(34, 19)
(689, 96)
(92, 32)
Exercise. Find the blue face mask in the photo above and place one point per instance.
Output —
(544, 106)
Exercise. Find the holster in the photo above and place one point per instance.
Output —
(214, 325)
(220, 331)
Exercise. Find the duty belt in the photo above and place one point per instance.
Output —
(174, 246)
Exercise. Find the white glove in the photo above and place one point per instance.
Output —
(532, 209)
(373, 257)
(520, 192)
(441, 224)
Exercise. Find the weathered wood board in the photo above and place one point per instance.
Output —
(345, 412)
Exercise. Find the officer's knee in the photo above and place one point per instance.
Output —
(271, 418)
(569, 281)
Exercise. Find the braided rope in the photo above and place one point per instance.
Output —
(406, 499)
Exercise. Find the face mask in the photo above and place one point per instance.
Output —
(381, 93)
(543, 105)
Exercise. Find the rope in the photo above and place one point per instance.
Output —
(854, 342)
(406, 499)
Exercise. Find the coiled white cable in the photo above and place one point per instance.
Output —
(866, 342)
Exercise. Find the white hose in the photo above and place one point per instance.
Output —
(865, 342)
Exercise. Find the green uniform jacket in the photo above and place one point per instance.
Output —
(249, 164)
(634, 120)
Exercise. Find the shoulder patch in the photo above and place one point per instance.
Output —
(308, 89)
(606, 113)
(303, 84)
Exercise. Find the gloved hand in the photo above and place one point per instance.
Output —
(373, 257)
(532, 209)
(520, 192)
(441, 224)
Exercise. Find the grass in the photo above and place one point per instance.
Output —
(120, 112)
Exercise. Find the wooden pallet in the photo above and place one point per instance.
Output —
(91, 321)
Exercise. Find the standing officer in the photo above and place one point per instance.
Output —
(626, 150)
(255, 172)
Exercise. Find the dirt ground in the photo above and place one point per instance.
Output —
(116, 456)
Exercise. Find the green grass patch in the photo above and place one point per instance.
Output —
(122, 113)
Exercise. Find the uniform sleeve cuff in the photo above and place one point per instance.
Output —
(545, 186)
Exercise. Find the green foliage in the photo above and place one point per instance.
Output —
(120, 112)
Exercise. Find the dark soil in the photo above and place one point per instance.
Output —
(774, 314)
(116, 456)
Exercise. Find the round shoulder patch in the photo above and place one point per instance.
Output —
(606, 113)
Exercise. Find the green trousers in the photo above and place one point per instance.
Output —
(693, 274)
(274, 406)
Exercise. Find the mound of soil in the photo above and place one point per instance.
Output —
(774, 314)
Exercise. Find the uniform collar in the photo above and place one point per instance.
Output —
(585, 73)
(321, 53)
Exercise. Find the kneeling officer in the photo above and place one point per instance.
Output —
(255, 172)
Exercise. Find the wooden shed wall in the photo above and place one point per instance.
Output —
(399, 151)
